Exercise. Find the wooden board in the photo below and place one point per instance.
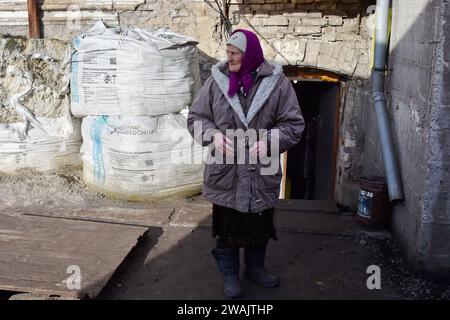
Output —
(283, 157)
(35, 253)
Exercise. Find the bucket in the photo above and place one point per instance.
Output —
(374, 210)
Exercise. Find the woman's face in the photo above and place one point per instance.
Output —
(234, 57)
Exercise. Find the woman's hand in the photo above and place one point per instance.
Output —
(223, 144)
(258, 148)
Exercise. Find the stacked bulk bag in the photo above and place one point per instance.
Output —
(140, 158)
(132, 71)
(130, 85)
(37, 150)
(36, 129)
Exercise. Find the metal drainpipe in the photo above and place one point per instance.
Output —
(379, 98)
(33, 19)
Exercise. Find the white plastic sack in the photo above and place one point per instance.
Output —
(140, 158)
(132, 71)
(37, 150)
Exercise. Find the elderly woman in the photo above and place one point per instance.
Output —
(245, 92)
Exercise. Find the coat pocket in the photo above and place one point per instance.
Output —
(269, 181)
(220, 176)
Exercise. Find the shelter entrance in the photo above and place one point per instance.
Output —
(309, 168)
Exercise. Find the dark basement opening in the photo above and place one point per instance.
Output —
(311, 164)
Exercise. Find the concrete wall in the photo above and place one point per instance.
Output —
(355, 107)
(418, 106)
(435, 230)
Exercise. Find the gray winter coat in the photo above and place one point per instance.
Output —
(273, 105)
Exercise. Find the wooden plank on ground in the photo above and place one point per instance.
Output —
(36, 252)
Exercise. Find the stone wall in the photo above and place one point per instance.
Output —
(328, 34)
(434, 257)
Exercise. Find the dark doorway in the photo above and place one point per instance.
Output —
(310, 172)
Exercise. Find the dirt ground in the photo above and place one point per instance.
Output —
(319, 255)
(311, 266)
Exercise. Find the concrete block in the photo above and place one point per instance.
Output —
(328, 34)
(335, 20)
(312, 53)
(276, 21)
(13, 18)
(314, 22)
(315, 14)
(254, 1)
(341, 57)
(350, 25)
(13, 5)
(308, 30)
(289, 51)
(346, 36)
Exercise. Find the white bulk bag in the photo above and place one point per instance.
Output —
(35, 149)
(140, 158)
(132, 71)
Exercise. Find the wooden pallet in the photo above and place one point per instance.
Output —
(41, 255)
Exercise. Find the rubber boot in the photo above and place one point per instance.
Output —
(228, 263)
(254, 267)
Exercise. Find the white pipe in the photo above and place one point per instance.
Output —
(377, 89)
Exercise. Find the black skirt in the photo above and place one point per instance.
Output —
(240, 229)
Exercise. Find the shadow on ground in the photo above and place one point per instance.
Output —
(315, 261)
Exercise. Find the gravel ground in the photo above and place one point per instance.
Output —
(56, 190)
(397, 276)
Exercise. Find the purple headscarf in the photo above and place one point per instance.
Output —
(253, 57)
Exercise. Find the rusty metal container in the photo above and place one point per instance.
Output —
(374, 209)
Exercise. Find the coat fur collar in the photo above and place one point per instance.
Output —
(263, 93)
